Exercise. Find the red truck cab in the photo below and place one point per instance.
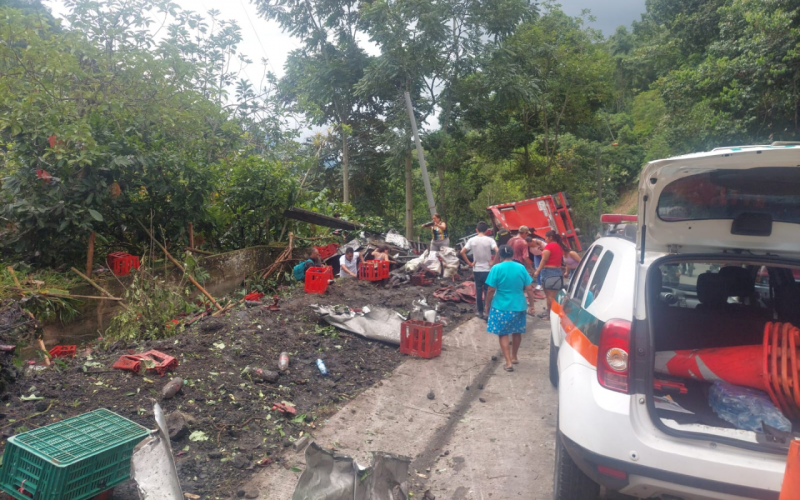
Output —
(540, 215)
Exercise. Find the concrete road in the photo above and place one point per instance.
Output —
(491, 443)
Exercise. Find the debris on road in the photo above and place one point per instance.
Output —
(338, 477)
(376, 323)
(261, 374)
(431, 395)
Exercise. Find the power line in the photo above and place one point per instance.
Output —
(255, 32)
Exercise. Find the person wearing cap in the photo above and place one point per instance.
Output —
(520, 246)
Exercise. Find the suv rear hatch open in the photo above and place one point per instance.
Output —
(719, 262)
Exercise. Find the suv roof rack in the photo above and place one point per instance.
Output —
(751, 146)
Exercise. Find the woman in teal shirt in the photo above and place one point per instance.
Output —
(509, 283)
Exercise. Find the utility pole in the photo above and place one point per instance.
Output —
(599, 192)
(420, 155)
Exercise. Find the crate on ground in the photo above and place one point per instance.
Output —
(373, 270)
(74, 459)
(327, 251)
(254, 296)
(317, 279)
(121, 263)
(421, 338)
(63, 351)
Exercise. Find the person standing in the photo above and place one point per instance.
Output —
(520, 246)
(509, 283)
(550, 269)
(482, 248)
(440, 238)
(348, 264)
(536, 247)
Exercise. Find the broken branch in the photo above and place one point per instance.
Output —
(179, 266)
(103, 290)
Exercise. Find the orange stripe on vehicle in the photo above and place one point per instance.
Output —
(575, 337)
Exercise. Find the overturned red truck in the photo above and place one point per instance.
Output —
(540, 215)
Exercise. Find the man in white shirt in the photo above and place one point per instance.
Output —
(482, 248)
(348, 264)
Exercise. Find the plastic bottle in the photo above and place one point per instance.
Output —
(260, 373)
(283, 361)
(321, 367)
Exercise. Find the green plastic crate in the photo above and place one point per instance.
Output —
(74, 459)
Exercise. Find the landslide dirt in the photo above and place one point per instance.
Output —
(231, 412)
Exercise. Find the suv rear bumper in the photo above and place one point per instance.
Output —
(640, 478)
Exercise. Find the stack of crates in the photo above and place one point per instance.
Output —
(373, 270)
(421, 338)
(74, 459)
(327, 251)
(317, 279)
(121, 263)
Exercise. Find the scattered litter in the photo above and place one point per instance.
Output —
(283, 361)
(274, 306)
(338, 477)
(254, 296)
(148, 361)
(285, 408)
(300, 443)
(172, 388)
(321, 365)
(261, 374)
(63, 351)
(219, 345)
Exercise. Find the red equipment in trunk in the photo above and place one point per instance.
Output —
(540, 215)
(771, 367)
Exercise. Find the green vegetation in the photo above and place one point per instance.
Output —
(136, 111)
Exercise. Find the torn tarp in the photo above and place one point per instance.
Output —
(330, 476)
(375, 323)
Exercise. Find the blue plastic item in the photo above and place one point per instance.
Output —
(321, 367)
(746, 408)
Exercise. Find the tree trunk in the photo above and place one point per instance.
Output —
(345, 169)
(409, 200)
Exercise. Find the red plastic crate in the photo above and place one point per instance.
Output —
(121, 263)
(63, 351)
(373, 270)
(254, 296)
(420, 338)
(327, 251)
(317, 279)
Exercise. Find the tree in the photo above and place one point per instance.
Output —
(321, 75)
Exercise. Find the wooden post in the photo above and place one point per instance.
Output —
(90, 255)
(191, 235)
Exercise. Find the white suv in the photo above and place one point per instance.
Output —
(712, 262)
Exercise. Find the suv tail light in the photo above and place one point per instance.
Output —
(612, 355)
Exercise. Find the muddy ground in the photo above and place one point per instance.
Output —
(233, 429)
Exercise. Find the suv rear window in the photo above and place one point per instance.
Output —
(725, 194)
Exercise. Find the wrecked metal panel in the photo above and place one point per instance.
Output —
(330, 476)
(375, 323)
(152, 467)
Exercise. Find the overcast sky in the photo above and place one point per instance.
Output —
(264, 39)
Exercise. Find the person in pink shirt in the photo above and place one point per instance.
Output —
(520, 247)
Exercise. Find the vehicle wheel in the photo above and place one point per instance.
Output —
(553, 363)
(569, 482)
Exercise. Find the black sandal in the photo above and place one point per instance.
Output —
(508, 368)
